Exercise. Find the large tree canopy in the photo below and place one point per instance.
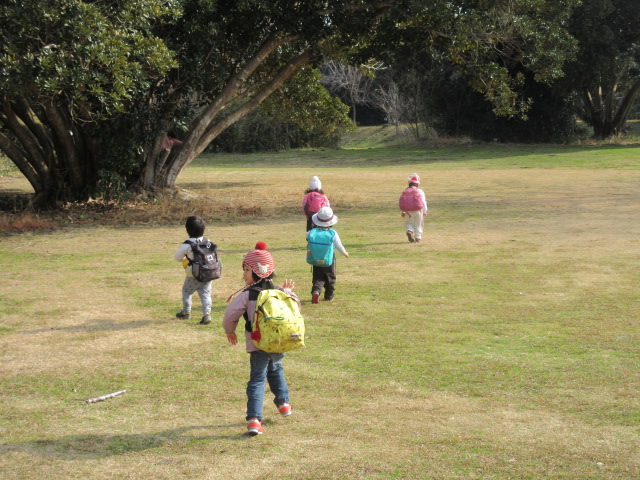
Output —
(606, 72)
(64, 66)
(89, 88)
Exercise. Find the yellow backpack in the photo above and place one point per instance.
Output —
(278, 326)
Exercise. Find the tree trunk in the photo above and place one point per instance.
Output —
(607, 117)
(49, 150)
(205, 128)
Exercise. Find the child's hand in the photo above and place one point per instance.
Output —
(403, 214)
(346, 255)
(288, 284)
(233, 338)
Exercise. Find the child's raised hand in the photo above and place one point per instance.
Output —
(288, 284)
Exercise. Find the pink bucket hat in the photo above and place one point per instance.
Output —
(414, 178)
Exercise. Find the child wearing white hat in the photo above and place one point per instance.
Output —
(326, 240)
(413, 205)
(314, 199)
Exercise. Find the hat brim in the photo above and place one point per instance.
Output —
(320, 223)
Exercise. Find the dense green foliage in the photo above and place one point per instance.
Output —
(606, 72)
(90, 88)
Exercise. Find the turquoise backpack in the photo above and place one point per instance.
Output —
(320, 247)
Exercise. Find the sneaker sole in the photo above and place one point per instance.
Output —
(254, 431)
(410, 237)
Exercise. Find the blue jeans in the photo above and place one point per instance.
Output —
(265, 367)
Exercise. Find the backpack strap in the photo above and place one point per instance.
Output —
(253, 295)
(192, 244)
(310, 198)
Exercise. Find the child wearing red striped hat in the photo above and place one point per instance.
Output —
(258, 268)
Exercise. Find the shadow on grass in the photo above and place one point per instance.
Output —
(515, 154)
(216, 185)
(95, 326)
(101, 446)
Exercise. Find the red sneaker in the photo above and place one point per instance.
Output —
(254, 427)
(315, 297)
(284, 409)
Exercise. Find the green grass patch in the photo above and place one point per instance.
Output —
(505, 345)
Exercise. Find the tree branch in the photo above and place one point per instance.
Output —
(20, 160)
(27, 139)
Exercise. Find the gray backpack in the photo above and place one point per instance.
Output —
(206, 264)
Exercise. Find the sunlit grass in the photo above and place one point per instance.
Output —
(505, 345)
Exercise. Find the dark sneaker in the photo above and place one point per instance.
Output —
(315, 297)
(183, 316)
(254, 427)
(284, 409)
(410, 236)
(206, 320)
(328, 298)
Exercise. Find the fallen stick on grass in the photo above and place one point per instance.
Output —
(104, 397)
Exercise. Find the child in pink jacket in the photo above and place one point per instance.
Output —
(413, 205)
(314, 199)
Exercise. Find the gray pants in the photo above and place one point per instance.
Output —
(190, 286)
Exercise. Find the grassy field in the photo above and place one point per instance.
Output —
(505, 346)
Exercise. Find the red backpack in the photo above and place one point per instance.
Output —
(315, 201)
(411, 200)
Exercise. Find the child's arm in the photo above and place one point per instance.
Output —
(181, 252)
(424, 203)
(337, 243)
(287, 286)
(232, 315)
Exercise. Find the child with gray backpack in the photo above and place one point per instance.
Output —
(322, 242)
(199, 257)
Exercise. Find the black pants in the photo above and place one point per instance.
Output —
(324, 277)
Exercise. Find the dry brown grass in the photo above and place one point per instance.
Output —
(504, 346)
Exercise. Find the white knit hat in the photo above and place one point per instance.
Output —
(414, 178)
(324, 217)
(315, 183)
